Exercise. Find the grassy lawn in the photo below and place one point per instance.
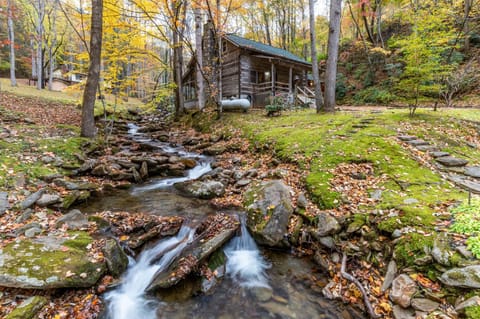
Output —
(321, 142)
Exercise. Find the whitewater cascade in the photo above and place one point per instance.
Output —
(245, 264)
(129, 300)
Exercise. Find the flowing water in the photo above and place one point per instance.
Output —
(257, 283)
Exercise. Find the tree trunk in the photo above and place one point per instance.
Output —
(466, 26)
(332, 52)
(11, 40)
(199, 58)
(90, 92)
(316, 75)
(51, 56)
(40, 7)
(178, 57)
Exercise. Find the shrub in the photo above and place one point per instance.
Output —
(374, 95)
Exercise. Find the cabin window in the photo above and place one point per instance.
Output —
(267, 76)
(253, 77)
(224, 46)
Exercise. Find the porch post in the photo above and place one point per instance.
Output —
(272, 75)
(290, 80)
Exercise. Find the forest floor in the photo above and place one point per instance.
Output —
(350, 164)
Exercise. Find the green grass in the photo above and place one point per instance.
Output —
(320, 142)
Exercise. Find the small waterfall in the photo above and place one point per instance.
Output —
(129, 301)
(245, 264)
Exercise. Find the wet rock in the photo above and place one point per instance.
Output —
(49, 262)
(390, 275)
(4, 205)
(74, 220)
(143, 170)
(441, 251)
(28, 309)
(473, 171)
(467, 277)
(401, 313)
(439, 154)
(321, 260)
(100, 170)
(30, 200)
(424, 304)
(262, 294)
(178, 271)
(451, 161)
(403, 289)
(269, 207)
(189, 162)
(302, 201)
(115, 258)
(201, 189)
(74, 197)
(214, 150)
(327, 225)
(277, 310)
(48, 199)
(471, 302)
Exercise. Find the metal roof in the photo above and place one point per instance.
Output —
(264, 48)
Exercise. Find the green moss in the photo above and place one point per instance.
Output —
(28, 309)
(318, 187)
(411, 247)
(79, 240)
(472, 312)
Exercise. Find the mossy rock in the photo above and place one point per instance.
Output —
(28, 309)
(50, 262)
(269, 208)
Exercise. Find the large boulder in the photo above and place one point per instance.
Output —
(201, 189)
(403, 290)
(467, 277)
(115, 257)
(269, 207)
(50, 262)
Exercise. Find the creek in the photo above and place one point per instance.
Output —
(258, 283)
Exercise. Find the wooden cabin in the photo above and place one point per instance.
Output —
(252, 70)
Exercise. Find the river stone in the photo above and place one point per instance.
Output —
(201, 189)
(424, 304)
(269, 207)
(390, 275)
(243, 182)
(262, 293)
(28, 309)
(48, 199)
(401, 313)
(4, 205)
(403, 289)
(467, 277)
(49, 262)
(327, 225)
(471, 302)
(115, 257)
(473, 171)
(451, 161)
(30, 200)
(73, 219)
(441, 251)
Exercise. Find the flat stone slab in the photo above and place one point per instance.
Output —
(4, 205)
(472, 171)
(464, 183)
(426, 148)
(451, 161)
(418, 142)
(49, 262)
(406, 138)
(439, 154)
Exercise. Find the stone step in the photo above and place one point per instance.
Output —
(451, 161)
(472, 171)
(418, 142)
(466, 184)
(425, 148)
(439, 154)
(406, 138)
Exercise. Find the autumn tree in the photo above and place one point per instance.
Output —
(313, 50)
(11, 41)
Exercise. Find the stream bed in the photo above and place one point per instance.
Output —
(258, 283)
